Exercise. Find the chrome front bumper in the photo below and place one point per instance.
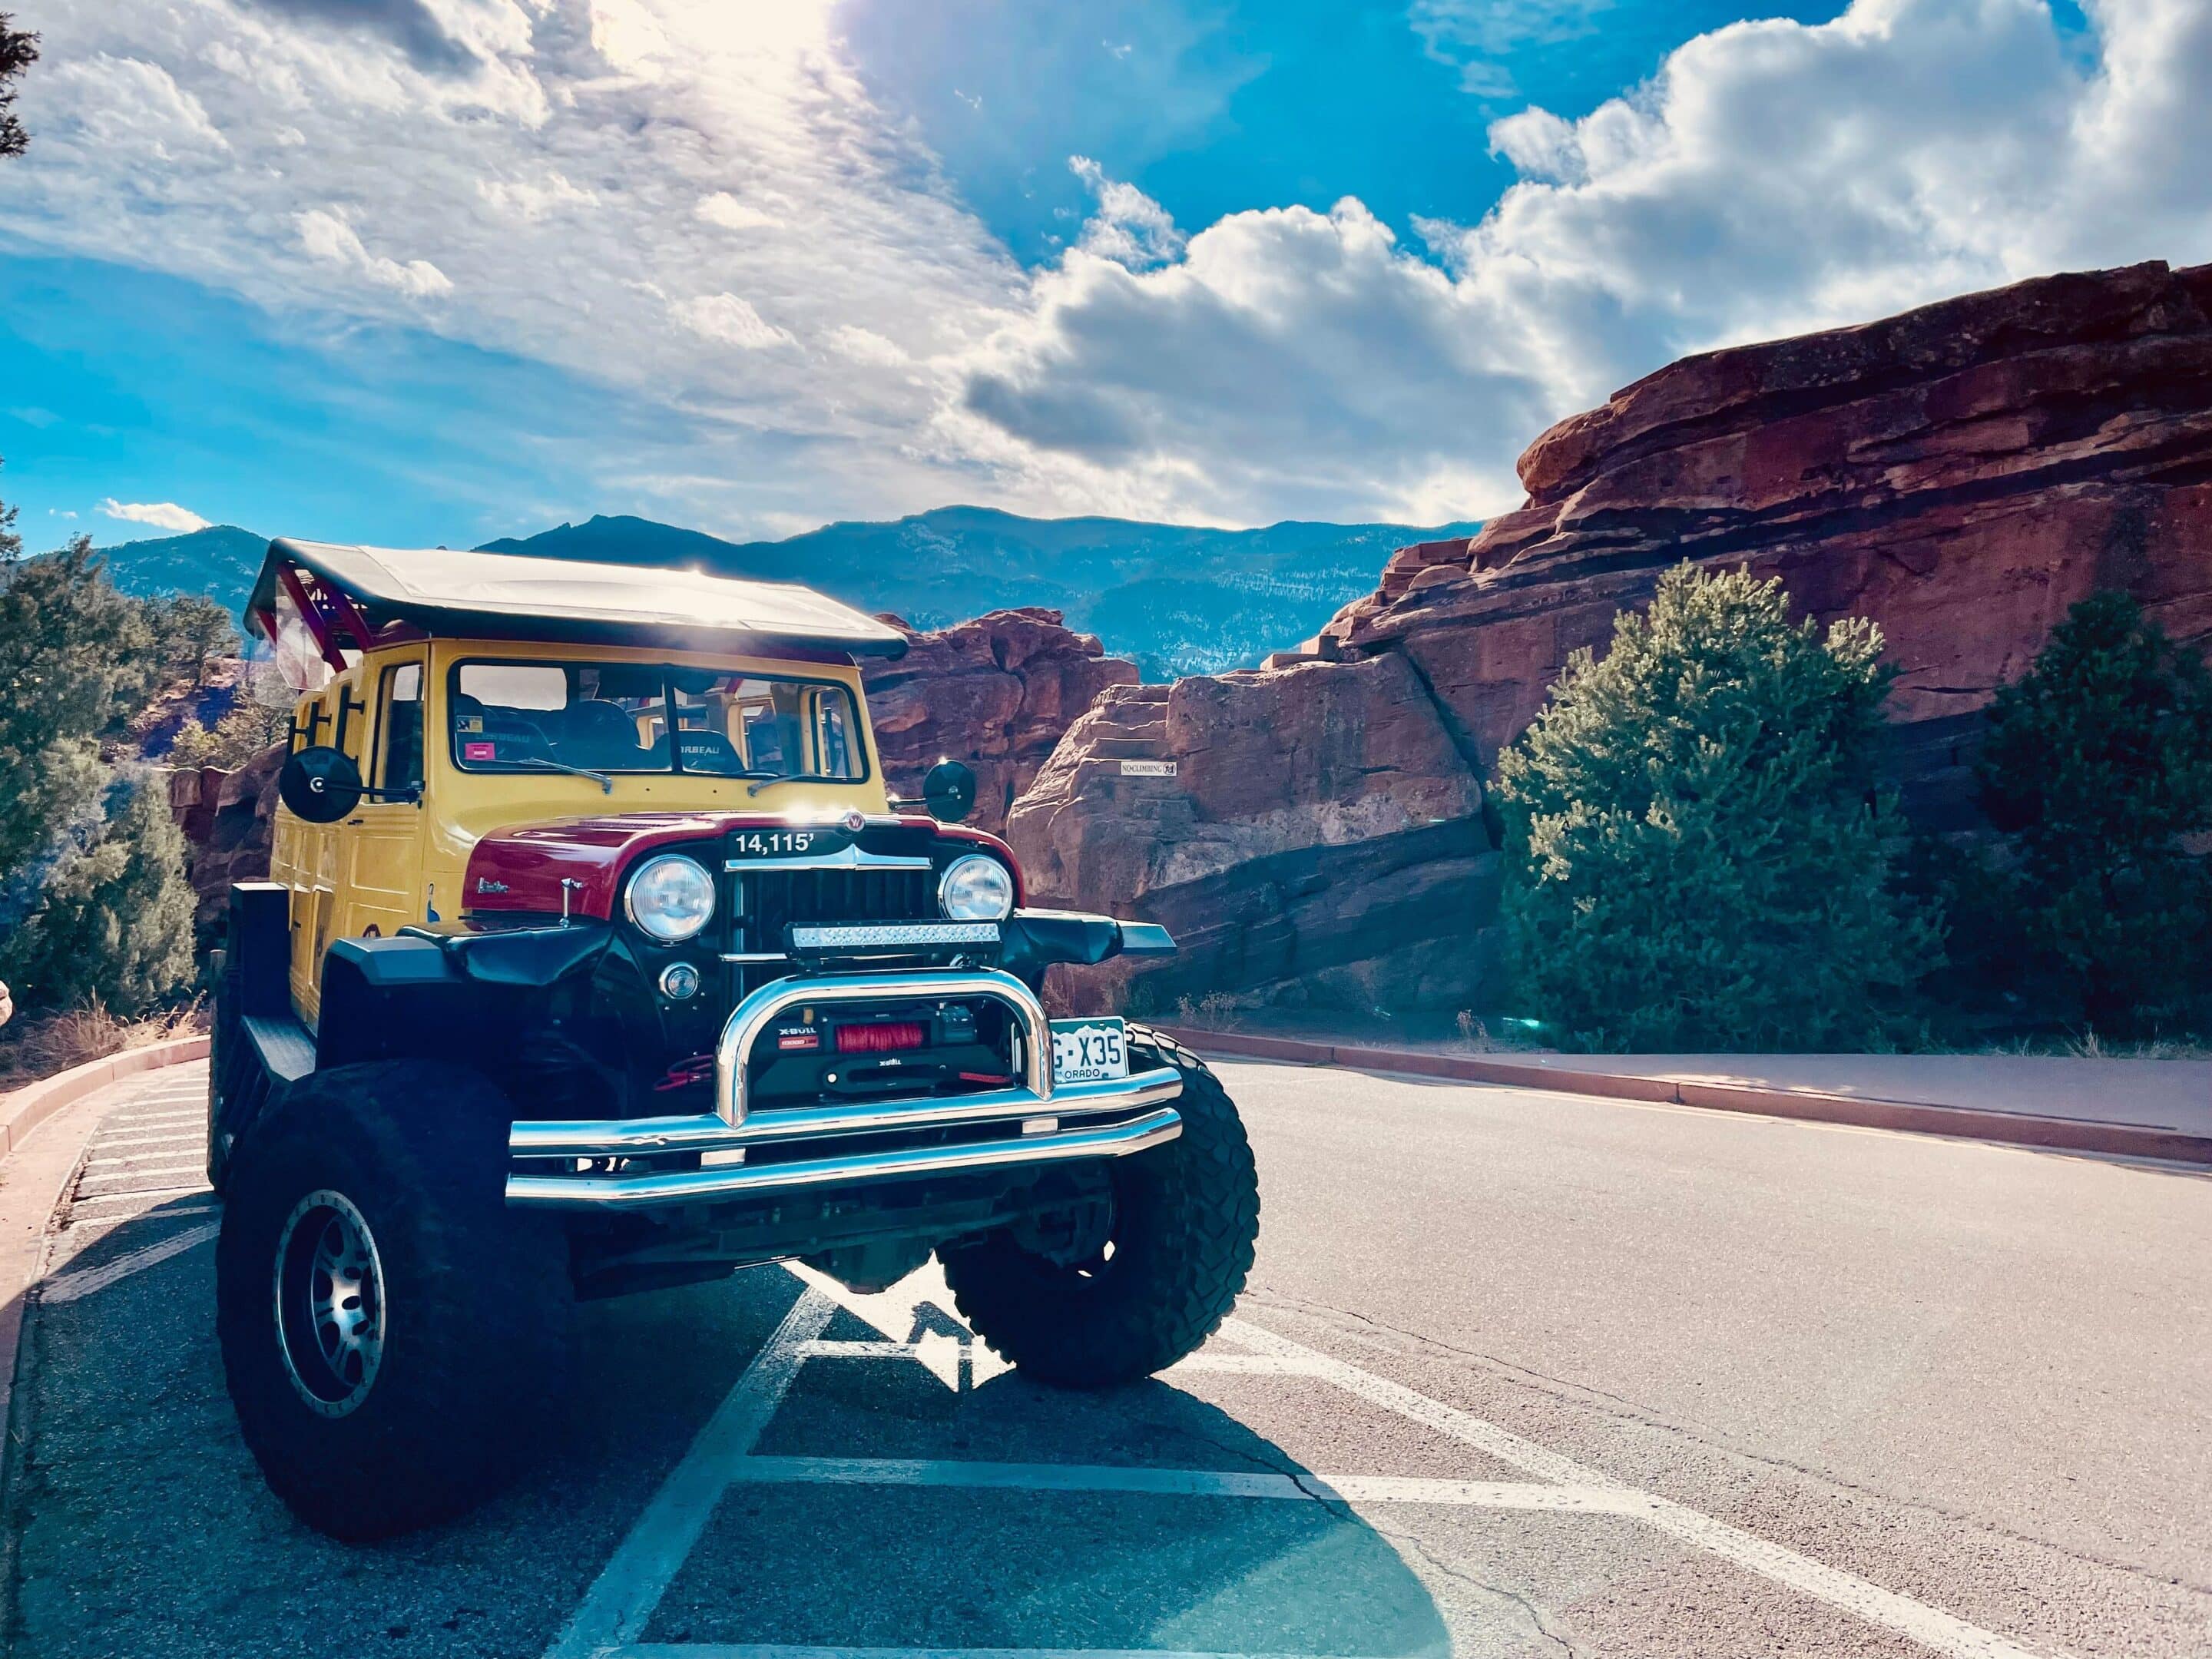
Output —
(558, 1163)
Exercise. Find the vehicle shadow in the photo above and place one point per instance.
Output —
(1060, 1558)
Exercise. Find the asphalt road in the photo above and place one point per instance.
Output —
(1520, 1374)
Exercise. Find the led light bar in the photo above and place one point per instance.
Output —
(868, 936)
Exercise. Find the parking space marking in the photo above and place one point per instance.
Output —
(177, 1138)
(128, 1157)
(1188, 1483)
(777, 1650)
(133, 1194)
(622, 1597)
(94, 1186)
(136, 1120)
(72, 1286)
(1930, 1627)
(622, 1600)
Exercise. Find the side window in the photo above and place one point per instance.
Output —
(400, 732)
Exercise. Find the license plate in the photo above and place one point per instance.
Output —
(1088, 1050)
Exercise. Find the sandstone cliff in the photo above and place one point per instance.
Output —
(997, 692)
(1962, 473)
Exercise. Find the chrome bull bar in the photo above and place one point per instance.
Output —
(1040, 1108)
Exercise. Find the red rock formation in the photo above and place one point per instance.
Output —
(1962, 474)
(996, 692)
(229, 819)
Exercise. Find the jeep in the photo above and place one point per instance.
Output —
(596, 958)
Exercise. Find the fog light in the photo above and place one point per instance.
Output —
(678, 981)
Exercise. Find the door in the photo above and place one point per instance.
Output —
(383, 838)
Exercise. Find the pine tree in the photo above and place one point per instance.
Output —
(18, 52)
(72, 661)
(1697, 858)
(113, 919)
(2099, 760)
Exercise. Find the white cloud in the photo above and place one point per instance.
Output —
(1129, 228)
(726, 318)
(532, 199)
(697, 203)
(1774, 178)
(162, 515)
(863, 345)
(726, 211)
(328, 238)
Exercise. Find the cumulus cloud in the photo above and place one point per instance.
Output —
(1773, 178)
(728, 320)
(696, 202)
(726, 211)
(162, 515)
(1129, 228)
(328, 238)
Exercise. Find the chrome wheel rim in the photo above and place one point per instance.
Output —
(329, 1303)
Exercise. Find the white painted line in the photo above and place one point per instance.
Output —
(70, 1287)
(91, 1163)
(195, 1167)
(131, 1193)
(1188, 1483)
(622, 1597)
(1245, 1364)
(151, 1212)
(149, 1119)
(777, 1650)
(1930, 1627)
(178, 1139)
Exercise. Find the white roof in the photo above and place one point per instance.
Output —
(514, 594)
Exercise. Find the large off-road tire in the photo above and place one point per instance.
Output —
(393, 1335)
(1178, 1244)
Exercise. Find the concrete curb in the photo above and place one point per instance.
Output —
(25, 1109)
(1918, 1117)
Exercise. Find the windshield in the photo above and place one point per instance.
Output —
(618, 717)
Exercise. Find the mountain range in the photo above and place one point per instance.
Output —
(1176, 599)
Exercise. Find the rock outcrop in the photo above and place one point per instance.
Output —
(1962, 474)
(997, 692)
(229, 817)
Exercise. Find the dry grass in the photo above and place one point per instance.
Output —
(1214, 1012)
(35, 1047)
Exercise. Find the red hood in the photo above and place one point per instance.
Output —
(523, 868)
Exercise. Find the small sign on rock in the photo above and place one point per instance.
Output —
(1148, 768)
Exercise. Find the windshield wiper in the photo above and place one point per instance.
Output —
(775, 778)
(606, 784)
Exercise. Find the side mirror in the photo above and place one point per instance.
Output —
(949, 792)
(321, 785)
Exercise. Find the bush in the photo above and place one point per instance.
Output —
(1697, 858)
(2097, 760)
(244, 732)
(112, 918)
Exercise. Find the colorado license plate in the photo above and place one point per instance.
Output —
(1088, 1050)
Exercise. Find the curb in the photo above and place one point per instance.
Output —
(25, 1109)
(1917, 1117)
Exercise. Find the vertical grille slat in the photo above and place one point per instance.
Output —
(764, 902)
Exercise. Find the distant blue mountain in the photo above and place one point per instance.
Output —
(1178, 599)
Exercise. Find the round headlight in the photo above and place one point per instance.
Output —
(976, 887)
(670, 897)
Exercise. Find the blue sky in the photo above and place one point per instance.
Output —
(442, 270)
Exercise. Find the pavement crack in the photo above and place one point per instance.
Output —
(1529, 1610)
(1710, 1438)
